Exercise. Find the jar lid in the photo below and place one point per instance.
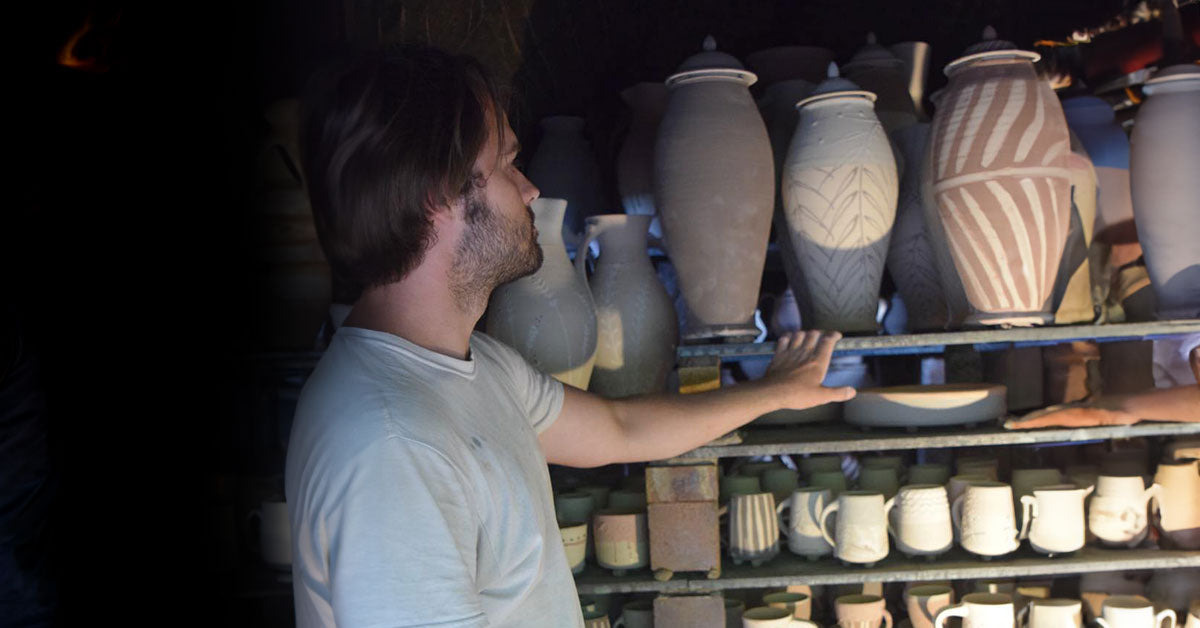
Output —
(872, 54)
(1172, 75)
(835, 86)
(710, 64)
(989, 47)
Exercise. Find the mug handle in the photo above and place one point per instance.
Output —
(783, 526)
(1029, 512)
(887, 517)
(829, 510)
(956, 513)
(887, 619)
(958, 610)
(1100, 621)
(620, 623)
(1152, 492)
(1022, 616)
(1165, 614)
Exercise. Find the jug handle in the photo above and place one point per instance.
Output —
(829, 510)
(591, 232)
(957, 610)
(1151, 492)
(1029, 512)
(1165, 614)
(783, 527)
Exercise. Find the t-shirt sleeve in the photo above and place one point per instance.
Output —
(540, 394)
(403, 539)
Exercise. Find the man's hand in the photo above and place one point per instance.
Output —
(1072, 415)
(799, 366)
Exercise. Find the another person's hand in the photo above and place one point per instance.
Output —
(799, 365)
(1072, 415)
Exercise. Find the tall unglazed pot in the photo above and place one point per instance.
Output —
(549, 317)
(1164, 153)
(911, 260)
(839, 200)
(1001, 182)
(635, 320)
(714, 188)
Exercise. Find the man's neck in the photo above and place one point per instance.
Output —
(421, 310)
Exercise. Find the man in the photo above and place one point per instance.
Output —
(416, 473)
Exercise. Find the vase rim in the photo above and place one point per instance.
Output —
(1031, 56)
(857, 93)
(745, 77)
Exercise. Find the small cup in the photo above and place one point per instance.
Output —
(772, 617)
(636, 614)
(929, 473)
(575, 540)
(599, 495)
(627, 499)
(1051, 613)
(797, 603)
(862, 611)
(835, 481)
(827, 462)
(1133, 611)
(622, 539)
(980, 610)
(595, 619)
(739, 485)
(924, 601)
(780, 482)
(879, 479)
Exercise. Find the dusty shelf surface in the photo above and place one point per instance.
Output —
(842, 437)
(982, 340)
(957, 564)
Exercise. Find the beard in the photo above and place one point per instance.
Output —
(494, 250)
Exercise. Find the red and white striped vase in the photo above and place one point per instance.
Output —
(1001, 182)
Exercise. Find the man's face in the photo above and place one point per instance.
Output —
(499, 240)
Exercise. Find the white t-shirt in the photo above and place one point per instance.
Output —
(418, 493)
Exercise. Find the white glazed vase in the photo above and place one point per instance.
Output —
(839, 198)
(1164, 151)
(549, 317)
(636, 324)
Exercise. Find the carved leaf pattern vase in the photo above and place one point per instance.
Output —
(549, 317)
(1001, 182)
(839, 192)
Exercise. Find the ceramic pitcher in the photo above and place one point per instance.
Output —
(985, 519)
(862, 535)
(921, 520)
(1000, 181)
(635, 320)
(1178, 505)
(862, 611)
(839, 189)
(549, 317)
(803, 528)
(1051, 613)
(1133, 611)
(980, 610)
(714, 188)
(1053, 518)
(753, 528)
(911, 261)
(1024, 481)
(1164, 150)
(564, 166)
(1117, 512)
(622, 540)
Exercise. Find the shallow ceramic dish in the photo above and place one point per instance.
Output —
(818, 414)
(926, 406)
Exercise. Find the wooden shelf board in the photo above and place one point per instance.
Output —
(957, 564)
(842, 437)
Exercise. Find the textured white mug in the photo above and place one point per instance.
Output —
(803, 527)
(980, 610)
(985, 519)
(922, 520)
(862, 535)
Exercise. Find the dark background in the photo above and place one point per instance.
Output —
(125, 249)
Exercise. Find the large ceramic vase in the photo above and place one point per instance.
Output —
(1001, 182)
(875, 69)
(635, 321)
(1164, 153)
(911, 261)
(564, 166)
(916, 56)
(839, 197)
(635, 160)
(1094, 122)
(714, 189)
(1179, 503)
(549, 317)
(1076, 304)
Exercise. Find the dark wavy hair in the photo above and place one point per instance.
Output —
(385, 137)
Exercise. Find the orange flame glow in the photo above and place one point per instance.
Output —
(67, 56)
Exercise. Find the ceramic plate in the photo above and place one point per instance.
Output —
(827, 412)
(926, 406)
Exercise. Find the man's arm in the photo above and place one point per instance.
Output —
(592, 431)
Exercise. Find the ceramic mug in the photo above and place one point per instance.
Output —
(274, 534)
(803, 528)
(884, 480)
(958, 483)
(1193, 617)
(622, 539)
(636, 614)
(923, 603)
(986, 466)
(921, 520)
(929, 473)
(599, 495)
(780, 482)
(1051, 613)
(574, 538)
(1053, 518)
(1117, 512)
(733, 612)
(753, 528)
(835, 481)
(1133, 611)
(739, 485)
(772, 617)
(980, 610)
(985, 520)
(798, 604)
(827, 462)
(861, 611)
(635, 500)
(862, 535)
(595, 619)
(886, 461)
